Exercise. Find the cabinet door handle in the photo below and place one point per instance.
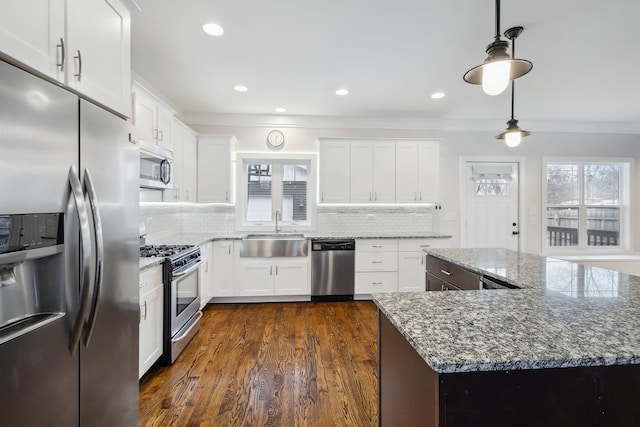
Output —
(62, 54)
(422, 260)
(375, 196)
(421, 195)
(446, 272)
(369, 195)
(155, 134)
(161, 135)
(415, 195)
(78, 76)
(145, 310)
(229, 249)
(322, 196)
(226, 196)
(376, 283)
(271, 270)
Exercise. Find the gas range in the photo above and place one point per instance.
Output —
(179, 257)
(181, 276)
(167, 251)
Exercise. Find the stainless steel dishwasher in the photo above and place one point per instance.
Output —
(332, 269)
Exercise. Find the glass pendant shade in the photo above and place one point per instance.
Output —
(495, 77)
(513, 139)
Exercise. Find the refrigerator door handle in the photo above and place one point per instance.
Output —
(85, 243)
(99, 254)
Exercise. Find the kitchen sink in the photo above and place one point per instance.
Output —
(278, 236)
(274, 245)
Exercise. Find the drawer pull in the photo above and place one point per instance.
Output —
(425, 246)
(376, 246)
(376, 283)
(446, 272)
(376, 262)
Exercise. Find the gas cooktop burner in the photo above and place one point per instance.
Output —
(163, 250)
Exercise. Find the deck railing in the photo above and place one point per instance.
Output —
(566, 236)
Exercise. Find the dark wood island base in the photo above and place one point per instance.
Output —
(412, 394)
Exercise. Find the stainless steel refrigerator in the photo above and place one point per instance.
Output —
(69, 271)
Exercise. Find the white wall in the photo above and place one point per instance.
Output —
(457, 144)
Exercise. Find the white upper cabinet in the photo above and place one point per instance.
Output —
(372, 171)
(152, 119)
(99, 51)
(361, 171)
(384, 171)
(429, 171)
(417, 172)
(379, 171)
(214, 168)
(334, 175)
(32, 32)
(88, 49)
(185, 162)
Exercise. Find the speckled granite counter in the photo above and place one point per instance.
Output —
(566, 315)
(201, 238)
(150, 262)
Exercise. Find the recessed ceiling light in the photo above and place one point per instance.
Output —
(342, 92)
(240, 88)
(437, 95)
(213, 29)
(281, 110)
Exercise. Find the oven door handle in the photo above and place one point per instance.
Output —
(194, 322)
(189, 270)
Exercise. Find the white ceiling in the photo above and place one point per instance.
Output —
(391, 55)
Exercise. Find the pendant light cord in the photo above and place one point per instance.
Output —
(513, 82)
(497, 37)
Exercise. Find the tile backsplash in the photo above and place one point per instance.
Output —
(162, 220)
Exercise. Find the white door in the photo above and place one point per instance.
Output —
(491, 205)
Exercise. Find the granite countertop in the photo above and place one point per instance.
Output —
(566, 315)
(424, 235)
(202, 238)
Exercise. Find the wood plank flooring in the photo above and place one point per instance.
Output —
(276, 364)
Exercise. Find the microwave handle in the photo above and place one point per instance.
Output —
(165, 171)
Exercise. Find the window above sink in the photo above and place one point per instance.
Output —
(276, 192)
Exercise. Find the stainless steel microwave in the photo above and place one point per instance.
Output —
(156, 166)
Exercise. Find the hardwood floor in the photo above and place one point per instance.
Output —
(277, 364)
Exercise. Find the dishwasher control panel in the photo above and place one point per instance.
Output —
(333, 245)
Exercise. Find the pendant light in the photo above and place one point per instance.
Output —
(498, 68)
(513, 134)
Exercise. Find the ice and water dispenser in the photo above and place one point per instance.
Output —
(32, 281)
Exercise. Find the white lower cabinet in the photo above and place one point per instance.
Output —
(206, 274)
(272, 276)
(376, 266)
(378, 281)
(223, 283)
(411, 269)
(151, 309)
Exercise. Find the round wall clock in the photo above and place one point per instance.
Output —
(275, 138)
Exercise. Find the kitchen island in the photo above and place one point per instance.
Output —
(562, 350)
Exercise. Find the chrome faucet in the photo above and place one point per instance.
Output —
(278, 218)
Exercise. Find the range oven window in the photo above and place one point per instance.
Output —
(186, 291)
